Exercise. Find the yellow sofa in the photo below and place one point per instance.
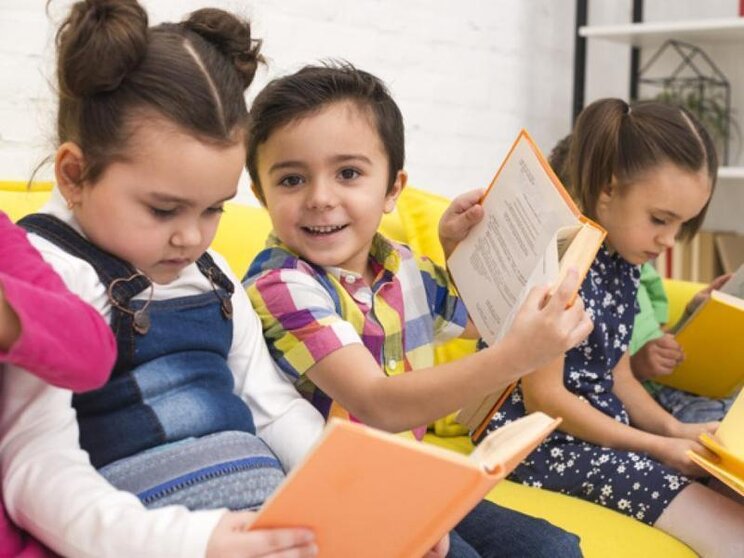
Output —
(604, 533)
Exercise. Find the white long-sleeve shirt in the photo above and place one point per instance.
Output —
(50, 487)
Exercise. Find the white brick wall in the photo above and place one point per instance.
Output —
(467, 75)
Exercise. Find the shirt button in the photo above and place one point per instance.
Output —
(350, 279)
(392, 363)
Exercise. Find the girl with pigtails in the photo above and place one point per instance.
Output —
(195, 419)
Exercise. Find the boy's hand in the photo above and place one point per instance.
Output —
(704, 295)
(232, 538)
(658, 357)
(543, 331)
(463, 213)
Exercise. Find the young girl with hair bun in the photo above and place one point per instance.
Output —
(151, 142)
(646, 174)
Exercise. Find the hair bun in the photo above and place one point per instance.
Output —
(231, 36)
(99, 43)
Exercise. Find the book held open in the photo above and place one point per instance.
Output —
(711, 341)
(727, 444)
(532, 234)
(367, 493)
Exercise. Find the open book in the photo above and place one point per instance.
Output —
(532, 233)
(368, 493)
(727, 444)
(711, 338)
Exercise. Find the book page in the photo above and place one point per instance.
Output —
(505, 447)
(497, 263)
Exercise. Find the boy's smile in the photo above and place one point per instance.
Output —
(324, 179)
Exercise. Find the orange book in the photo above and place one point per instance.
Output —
(531, 234)
(727, 447)
(367, 493)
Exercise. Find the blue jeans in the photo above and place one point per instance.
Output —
(490, 530)
(688, 407)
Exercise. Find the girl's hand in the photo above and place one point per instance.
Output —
(693, 430)
(10, 325)
(232, 538)
(541, 331)
(704, 295)
(463, 213)
(440, 550)
(658, 357)
(672, 452)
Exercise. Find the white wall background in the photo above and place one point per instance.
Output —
(467, 75)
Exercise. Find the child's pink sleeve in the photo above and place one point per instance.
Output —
(63, 340)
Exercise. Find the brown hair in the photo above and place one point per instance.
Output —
(613, 139)
(113, 68)
(558, 159)
(315, 87)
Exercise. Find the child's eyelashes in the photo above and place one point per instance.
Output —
(349, 173)
(658, 221)
(163, 213)
(291, 181)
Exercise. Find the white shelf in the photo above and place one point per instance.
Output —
(731, 174)
(727, 30)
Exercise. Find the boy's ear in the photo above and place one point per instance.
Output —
(258, 193)
(401, 179)
(69, 167)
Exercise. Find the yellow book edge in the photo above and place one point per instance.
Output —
(726, 448)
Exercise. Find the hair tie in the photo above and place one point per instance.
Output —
(627, 109)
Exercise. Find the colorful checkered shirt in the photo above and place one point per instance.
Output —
(307, 311)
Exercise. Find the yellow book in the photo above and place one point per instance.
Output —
(727, 445)
(711, 339)
(532, 233)
(367, 493)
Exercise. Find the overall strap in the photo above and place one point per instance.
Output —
(121, 280)
(217, 277)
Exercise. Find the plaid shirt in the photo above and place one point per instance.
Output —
(307, 311)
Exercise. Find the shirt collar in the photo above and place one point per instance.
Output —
(382, 251)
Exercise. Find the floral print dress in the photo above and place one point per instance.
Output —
(629, 482)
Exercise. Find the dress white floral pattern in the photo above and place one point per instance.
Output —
(629, 482)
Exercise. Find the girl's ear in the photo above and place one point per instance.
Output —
(258, 193)
(401, 178)
(69, 165)
(606, 194)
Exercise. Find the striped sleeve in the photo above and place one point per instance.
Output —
(299, 319)
(446, 306)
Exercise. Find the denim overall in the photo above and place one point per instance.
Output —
(167, 426)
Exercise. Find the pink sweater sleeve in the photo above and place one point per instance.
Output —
(63, 340)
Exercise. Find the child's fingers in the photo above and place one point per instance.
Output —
(668, 341)
(465, 201)
(582, 330)
(566, 290)
(281, 542)
(536, 298)
(718, 282)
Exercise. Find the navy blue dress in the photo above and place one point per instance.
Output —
(629, 482)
